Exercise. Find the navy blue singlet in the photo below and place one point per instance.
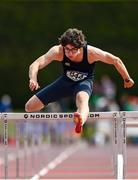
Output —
(77, 71)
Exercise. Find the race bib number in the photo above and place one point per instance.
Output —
(76, 75)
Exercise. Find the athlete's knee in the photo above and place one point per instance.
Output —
(28, 107)
(34, 104)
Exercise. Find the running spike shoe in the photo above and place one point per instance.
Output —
(78, 122)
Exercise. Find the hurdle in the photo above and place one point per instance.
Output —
(120, 120)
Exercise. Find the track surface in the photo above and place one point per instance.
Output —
(79, 161)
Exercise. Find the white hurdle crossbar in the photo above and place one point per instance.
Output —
(119, 132)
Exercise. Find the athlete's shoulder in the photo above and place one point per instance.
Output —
(94, 53)
(93, 49)
(57, 52)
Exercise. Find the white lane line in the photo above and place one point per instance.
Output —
(59, 159)
(120, 163)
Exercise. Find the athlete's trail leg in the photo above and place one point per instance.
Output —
(34, 104)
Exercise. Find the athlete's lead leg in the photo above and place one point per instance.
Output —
(81, 115)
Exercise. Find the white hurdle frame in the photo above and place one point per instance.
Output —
(120, 124)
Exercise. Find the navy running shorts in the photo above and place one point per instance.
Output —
(64, 87)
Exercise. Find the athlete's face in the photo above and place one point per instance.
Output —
(71, 51)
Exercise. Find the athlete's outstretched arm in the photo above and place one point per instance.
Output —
(40, 63)
(100, 55)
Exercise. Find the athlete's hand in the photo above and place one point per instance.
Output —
(128, 83)
(33, 85)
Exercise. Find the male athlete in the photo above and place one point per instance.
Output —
(78, 61)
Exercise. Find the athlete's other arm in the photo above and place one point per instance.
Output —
(97, 54)
(53, 54)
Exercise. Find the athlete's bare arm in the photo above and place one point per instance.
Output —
(55, 53)
(96, 54)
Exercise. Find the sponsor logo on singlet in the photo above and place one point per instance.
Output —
(67, 64)
(76, 75)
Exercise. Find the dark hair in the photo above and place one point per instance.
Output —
(74, 37)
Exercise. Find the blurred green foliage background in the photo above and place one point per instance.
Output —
(29, 28)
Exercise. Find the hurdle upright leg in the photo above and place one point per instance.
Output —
(5, 121)
(123, 141)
